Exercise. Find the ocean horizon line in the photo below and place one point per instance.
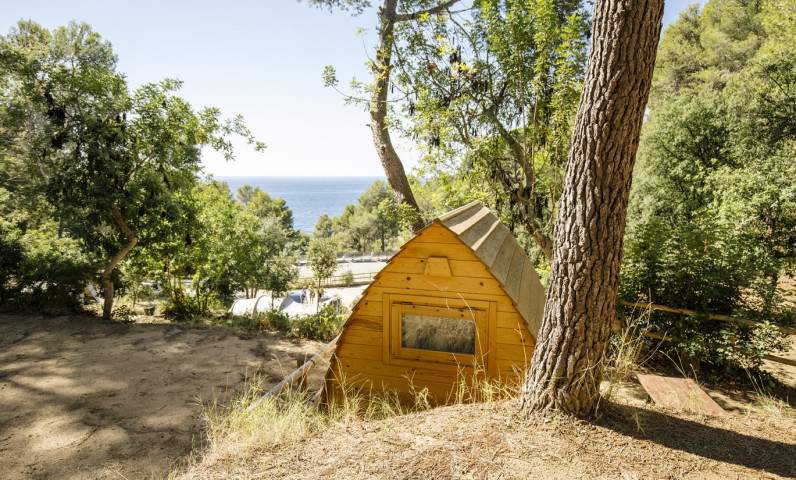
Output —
(308, 197)
(296, 176)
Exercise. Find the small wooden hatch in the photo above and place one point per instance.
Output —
(679, 394)
(460, 297)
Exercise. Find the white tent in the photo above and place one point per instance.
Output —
(296, 309)
(246, 306)
(292, 305)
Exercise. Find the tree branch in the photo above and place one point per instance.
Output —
(402, 17)
(526, 218)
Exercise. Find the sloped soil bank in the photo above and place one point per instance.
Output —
(494, 442)
(630, 439)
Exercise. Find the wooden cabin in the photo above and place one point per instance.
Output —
(461, 296)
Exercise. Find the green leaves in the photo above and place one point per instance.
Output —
(322, 260)
(71, 129)
(329, 76)
(711, 224)
(492, 93)
(372, 224)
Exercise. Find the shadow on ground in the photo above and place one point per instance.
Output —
(83, 398)
(711, 442)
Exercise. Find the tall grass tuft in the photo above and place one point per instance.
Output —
(767, 401)
(234, 430)
(626, 351)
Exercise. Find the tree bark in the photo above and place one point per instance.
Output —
(107, 284)
(390, 161)
(568, 362)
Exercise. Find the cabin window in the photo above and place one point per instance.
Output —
(439, 334)
(433, 330)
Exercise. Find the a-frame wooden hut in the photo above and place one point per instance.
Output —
(461, 293)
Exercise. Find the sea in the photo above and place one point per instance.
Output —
(308, 197)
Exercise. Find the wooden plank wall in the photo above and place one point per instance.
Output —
(358, 364)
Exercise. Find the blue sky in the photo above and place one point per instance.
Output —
(261, 59)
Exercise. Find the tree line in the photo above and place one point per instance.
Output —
(101, 182)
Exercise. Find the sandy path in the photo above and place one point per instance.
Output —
(85, 399)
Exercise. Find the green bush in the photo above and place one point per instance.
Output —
(276, 320)
(347, 277)
(43, 272)
(123, 314)
(701, 266)
(11, 257)
(185, 306)
(324, 325)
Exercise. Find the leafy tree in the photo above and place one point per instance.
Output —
(261, 205)
(373, 223)
(711, 225)
(230, 250)
(324, 227)
(208, 257)
(322, 260)
(568, 359)
(279, 274)
(493, 95)
(258, 242)
(110, 160)
(488, 92)
(376, 201)
(39, 270)
(390, 14)
(246, 192)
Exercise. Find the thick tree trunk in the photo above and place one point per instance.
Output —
(393, 168)
(567, 364)
(107, 284)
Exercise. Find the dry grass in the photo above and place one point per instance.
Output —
(493, 441)
(769, 403)
(626, 352)
(775, 406)
(234, 432)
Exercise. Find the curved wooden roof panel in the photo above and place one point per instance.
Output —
(492, 242)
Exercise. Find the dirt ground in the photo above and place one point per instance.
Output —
(493, 441)
(86, 399)
(630, 439)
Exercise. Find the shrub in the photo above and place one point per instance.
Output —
(46, 273)
(185, 306)
(347, 277)
(702, 266)
(323, 325)
(11, 257)
(275, 320)
(123, 314)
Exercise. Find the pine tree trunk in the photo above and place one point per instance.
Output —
(568, 361)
